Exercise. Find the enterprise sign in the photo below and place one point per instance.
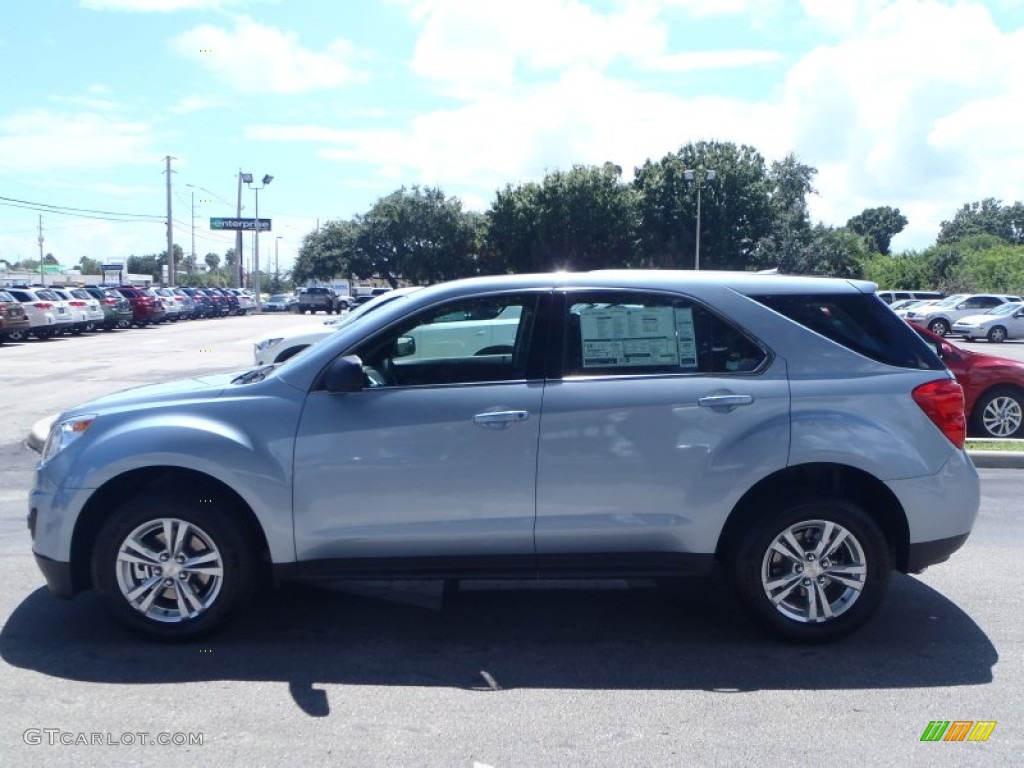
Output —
(240, 224)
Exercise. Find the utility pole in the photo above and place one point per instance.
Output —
(170, 227)
(42, 273)
(237, 279)
(193, 227)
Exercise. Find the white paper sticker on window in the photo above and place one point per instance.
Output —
(630, 337)
(687, 337)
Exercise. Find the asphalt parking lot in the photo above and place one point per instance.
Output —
(594, 673)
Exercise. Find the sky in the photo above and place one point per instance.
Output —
(915, 104)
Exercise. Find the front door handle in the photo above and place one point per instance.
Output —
(724, 402)
(499, 419)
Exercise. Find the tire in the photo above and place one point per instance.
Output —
(124, 324)
(771, 586)
(18, 335)
(999, 413)
(43, 334)
(939, 327)
(187, 603)
(997, 334)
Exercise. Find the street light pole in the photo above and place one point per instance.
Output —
(277, 242)
(691, 176)
(255, 277)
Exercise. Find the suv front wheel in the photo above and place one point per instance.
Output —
(814, 570)
(170, 568)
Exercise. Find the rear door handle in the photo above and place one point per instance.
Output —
(724, 402)
(499, 419)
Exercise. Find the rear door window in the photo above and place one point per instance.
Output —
(862, 323)
(637, 333)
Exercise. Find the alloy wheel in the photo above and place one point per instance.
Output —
(169, 570)
(814, 571)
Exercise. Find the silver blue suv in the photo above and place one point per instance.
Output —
(628, 423)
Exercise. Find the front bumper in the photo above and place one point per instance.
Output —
(926, 553)
(57, 575)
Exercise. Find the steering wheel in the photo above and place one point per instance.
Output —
(374, 378)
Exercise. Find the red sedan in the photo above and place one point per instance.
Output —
(993, 388)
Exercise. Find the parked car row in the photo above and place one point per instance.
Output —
(940, 316)
(47, 311)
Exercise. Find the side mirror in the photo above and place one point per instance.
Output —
(344, 374)
(405, 346)
(961, 306)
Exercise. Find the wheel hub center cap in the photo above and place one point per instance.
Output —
(813, 569)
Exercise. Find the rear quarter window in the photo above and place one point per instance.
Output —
(861, 323)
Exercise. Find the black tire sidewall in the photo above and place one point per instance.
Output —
(749, 555)
(215, 522)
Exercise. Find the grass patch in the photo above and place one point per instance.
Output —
(995, 445)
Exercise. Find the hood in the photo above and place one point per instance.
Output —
(154, 394)
(985, 360)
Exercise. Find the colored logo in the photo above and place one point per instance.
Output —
(958, 730)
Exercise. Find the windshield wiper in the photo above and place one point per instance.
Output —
(256, 374)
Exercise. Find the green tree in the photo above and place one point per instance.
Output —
(327, 252)
(879, 226)
(786, 246)
(418, 234)
(988, 216)
(584, 218)
(736, 208)
(89, 266)
(212, 261)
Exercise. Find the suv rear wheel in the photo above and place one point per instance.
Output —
(814, 570)
(939, 327)
(170, 568)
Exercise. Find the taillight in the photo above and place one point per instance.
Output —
(77, 303)
(42, 305)
(943, 403)
(111, 302)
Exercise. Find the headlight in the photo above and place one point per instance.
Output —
(64, 433)
(269, 342)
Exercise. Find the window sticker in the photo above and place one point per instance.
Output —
(686, 335)
(623, 337)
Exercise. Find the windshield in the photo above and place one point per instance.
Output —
(951, 301)
(376, 303)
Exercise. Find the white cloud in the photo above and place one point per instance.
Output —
(41, 140)
(161, 6)
(189, 104)
(255, 58)
(469, 42)
(584, 117)
(918, 106)
(703, 60)
(702, 8)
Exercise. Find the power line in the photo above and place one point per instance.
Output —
(70, 211)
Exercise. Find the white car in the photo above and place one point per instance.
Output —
(169, 301)
(49, 314)
(1004, 322)
(287, 344)
(82, 301)
(940, 316)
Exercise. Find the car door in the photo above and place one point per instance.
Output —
(665, 413)
(434, 459)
